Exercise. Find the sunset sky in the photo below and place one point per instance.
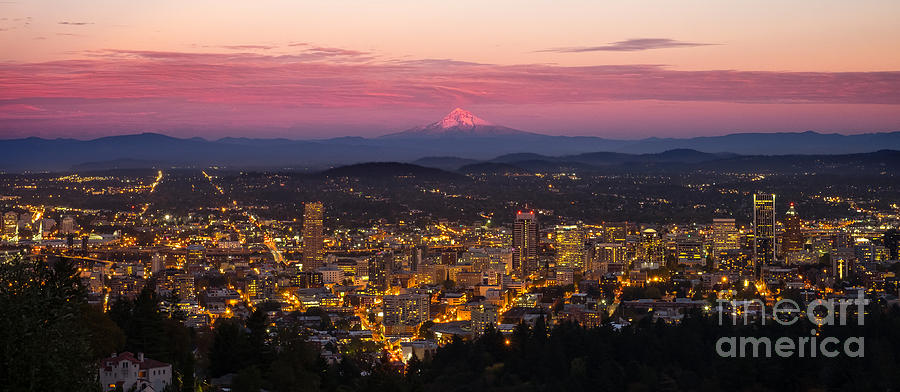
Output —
(314, 69)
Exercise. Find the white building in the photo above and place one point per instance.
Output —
(331, 274)
(128, 371)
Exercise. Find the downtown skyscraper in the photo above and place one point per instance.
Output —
(570, 248)
(525, 243)
(792, 241)
(763, 230)
(313, 238)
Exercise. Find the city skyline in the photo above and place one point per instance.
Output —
(281, 70)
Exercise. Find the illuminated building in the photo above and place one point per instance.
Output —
(651, 251)
(313, 238)
(689, 250)
(525, 243)
(10, 224)
(482, 316)
(606, 254)
(331, 274)
(763, 230)
(406, 309)
(615, 232)
(565, 276)
(841, 261)
(196, 257)
(307, 279)
(184, 286)
(864, 251)
(569, 242)
(725, 235)
(127, 372)
(67, 225)
(792, 241)
(378, 272)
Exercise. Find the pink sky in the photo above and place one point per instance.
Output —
(288, 69)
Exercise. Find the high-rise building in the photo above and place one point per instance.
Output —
(725, 235)
(313, 238)
(378, 272)
(605, 254)
(569, 243)
(615, 232)
(10, 224)
(792, 241)
(651, 251)
(525, 243)
(406, 309)
(763, 230)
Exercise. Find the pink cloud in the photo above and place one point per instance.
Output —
(180, 89)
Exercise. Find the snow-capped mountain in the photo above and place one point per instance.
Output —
(459, 123)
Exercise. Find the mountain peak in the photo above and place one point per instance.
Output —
(459, 118)
(459, 123)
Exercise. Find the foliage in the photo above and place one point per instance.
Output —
(44, 345)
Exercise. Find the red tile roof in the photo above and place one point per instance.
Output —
(128, 356)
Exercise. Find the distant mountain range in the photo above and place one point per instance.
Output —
(458, 139)
(877, 163)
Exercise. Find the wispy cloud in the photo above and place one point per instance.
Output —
(248, 47)
(68, 23)
(630, 45)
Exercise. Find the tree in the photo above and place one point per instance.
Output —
(230, 348)
(43, 343)
(247, 380)
(104, 334)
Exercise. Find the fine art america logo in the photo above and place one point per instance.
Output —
(786, 312)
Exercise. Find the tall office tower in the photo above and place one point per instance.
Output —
(570, 251)
(406, 309)
(313, 239)
(763, 230)
(10, 224)
(615, 232)
(651, 251)
(792, 241)
(725, 235)
(378, 272)
(525, 243)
